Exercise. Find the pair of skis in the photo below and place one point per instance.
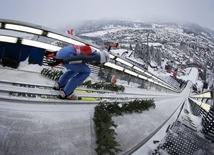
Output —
(30, 90)
(40, 92)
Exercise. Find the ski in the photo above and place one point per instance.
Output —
(27, 90)
(78, 89)
(29, 94)
(42, 96)
(38, 91)
(54, 98)
(49, 87)
(56, 93)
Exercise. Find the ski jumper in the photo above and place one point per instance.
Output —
(76, 72)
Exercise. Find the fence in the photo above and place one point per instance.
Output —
(202, 105)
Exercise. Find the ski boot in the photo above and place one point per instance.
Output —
(72, 96)
(56, 86)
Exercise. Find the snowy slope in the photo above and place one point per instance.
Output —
(64, 129)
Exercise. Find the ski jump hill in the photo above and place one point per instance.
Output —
(30, 126)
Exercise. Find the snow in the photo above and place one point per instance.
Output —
(66, 128)
(108, 30)
(23, 65)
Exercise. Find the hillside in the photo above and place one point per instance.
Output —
(156, 42)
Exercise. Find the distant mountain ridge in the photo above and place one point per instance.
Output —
(197, 29)
(98, 25)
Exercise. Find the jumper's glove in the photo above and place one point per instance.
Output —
(55, 62)
(50, 54)
(104, 56)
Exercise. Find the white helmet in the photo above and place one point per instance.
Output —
(104, 56)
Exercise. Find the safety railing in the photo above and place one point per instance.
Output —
(202, 105)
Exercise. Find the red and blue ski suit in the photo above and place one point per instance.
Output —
(77, 71)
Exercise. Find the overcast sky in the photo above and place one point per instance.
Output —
(58, 13)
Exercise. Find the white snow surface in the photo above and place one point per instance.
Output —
(41, 128)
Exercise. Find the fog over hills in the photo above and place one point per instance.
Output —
(123, 31)
(97, 25)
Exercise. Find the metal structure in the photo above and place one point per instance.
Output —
(203, 105)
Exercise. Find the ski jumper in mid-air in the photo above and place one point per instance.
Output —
(74, 59)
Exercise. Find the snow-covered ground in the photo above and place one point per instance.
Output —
(41, 128)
